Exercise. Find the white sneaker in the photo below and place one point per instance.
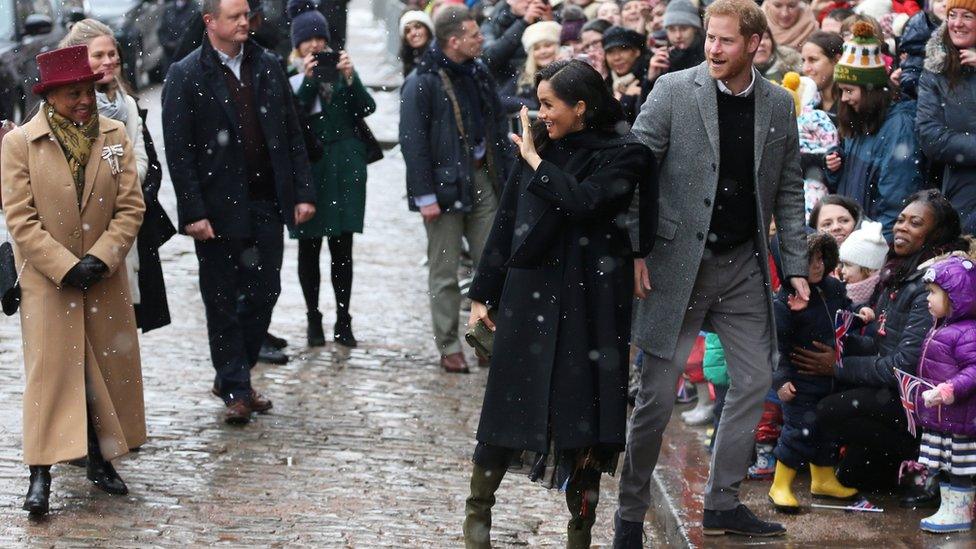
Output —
(699, 415)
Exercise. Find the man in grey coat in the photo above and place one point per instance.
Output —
(727, 145)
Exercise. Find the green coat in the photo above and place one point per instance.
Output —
(340, 176)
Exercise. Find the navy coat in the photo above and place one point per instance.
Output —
(431, 141)
(204, 149)
(946, 123)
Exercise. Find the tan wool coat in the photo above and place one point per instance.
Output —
(78, 346)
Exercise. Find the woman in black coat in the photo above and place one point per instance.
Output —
(866, 416)
(557, 273)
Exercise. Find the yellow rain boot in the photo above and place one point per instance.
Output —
(780, 493)
(824, 484)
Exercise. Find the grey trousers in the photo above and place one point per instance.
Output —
(443, 257)
(729, 299)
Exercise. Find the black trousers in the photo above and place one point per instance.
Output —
(240, 281)
(871, 423)
(310, 276)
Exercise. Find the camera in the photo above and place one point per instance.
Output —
(325, 69)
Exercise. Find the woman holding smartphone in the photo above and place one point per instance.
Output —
(558, 271)
(328, 89)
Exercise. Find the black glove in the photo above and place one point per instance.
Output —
(86, 273)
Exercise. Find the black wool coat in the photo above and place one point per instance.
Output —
(558, 270)
(204, 148)
(152, 311)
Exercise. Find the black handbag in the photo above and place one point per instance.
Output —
(374, 153)
(9, 280)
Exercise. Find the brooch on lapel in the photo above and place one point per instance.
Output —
(111, 154)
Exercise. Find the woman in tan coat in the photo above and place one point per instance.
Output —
(73, 208)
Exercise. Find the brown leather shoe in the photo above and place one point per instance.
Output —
(454, 363)
(238, 412)
(260, 403)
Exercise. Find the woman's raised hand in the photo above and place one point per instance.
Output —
(525, 143)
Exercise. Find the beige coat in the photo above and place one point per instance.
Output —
(75, 343)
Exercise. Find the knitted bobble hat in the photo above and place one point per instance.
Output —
(791, 81)
(860, 63)
(307, 22)
(865, 247)
(416, 16)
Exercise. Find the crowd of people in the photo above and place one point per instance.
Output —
(881, 105)
(784, 189)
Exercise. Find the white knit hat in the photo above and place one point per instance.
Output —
(416, 16)
(543, 31)
(874, 8)
(865, 247)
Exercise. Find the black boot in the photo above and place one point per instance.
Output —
(315, 333)
(925, 495)
(582, 496)
(477, 508)
(343, 330)
(100, 471)
(39, 493)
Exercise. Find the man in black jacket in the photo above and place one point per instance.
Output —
(238, 162)
(454, 136)
(503, 52)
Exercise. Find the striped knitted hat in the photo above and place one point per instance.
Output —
(860, 63)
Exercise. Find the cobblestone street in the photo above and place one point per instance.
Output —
(368, 448)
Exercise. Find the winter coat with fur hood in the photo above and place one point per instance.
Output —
(946, 123)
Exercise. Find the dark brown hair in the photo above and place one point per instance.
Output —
(874, 107)
(953, 65)
(835, 200)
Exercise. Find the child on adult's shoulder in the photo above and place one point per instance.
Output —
(801, 442)
(947, 412)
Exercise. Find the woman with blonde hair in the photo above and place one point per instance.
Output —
(541, 43)
(114, 100)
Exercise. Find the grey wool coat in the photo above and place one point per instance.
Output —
(679, 123)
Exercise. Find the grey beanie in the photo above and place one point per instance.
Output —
(682, 12)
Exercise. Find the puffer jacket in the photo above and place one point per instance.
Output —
(949, 352)
(917, 32)
(903, 321)
(502, 52)
(715, 368)
(880, 171)
(946, 123)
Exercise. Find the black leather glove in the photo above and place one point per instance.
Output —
(86, 273)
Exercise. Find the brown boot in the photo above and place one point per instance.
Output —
(454, 363)
(477, 508)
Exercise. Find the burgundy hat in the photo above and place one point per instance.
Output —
(62, 67)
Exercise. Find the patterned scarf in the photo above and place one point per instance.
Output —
(76, 142)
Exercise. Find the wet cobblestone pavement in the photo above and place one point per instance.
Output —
(368, 448)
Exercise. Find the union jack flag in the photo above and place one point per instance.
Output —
(842, 324)
(908, 387)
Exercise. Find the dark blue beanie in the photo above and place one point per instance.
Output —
(307, 22)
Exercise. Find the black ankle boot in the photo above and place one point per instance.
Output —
(39, 493)
(100, 471)
(315, 333)
(343, 330)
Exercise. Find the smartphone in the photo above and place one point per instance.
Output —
(326, 70)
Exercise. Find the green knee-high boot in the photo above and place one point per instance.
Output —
(477, 508)
(582, 496)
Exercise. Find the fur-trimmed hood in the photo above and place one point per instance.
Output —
(935, 51)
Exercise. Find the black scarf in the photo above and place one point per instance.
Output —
(472, 90)
(692, 56)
